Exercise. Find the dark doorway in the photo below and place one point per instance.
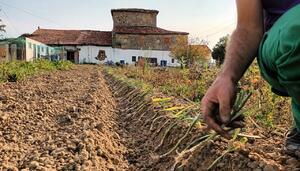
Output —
(38, 51)
(34, 51)
(163, 63)
(152, 61)
(71, 56)
(122, 62)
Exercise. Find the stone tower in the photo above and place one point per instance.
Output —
(137, 29)
(134, 17)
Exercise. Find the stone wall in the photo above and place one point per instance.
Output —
(145, 42)
(134, 19)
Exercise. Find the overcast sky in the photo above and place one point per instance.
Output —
(206, 19)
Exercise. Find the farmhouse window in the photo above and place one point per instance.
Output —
(30, 45)
(173, 60)
(152, 61)
(133, 58)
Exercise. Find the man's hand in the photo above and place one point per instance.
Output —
(217, 104)
(242, 49)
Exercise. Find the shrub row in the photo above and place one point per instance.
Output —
(17, 70)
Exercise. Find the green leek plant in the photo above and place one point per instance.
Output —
(200, 142)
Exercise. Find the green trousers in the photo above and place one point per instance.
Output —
(279, 58)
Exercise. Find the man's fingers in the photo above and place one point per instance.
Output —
(214, 126)
(240, 118)
(210, 112)
(236, 124)
(225, 109)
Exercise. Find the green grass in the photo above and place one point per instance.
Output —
(18, 70)
(171, 81)
(137, 83)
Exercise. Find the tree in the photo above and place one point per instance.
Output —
(219, 50)
(179, 50)
(198, 53)
(189, 52)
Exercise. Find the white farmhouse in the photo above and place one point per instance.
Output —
(135, 36)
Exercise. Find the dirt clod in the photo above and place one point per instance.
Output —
(269, 168)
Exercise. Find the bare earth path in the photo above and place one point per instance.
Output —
(60, 121)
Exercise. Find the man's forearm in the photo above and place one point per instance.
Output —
(241, 51)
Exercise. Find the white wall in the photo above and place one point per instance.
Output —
(30, 49)
(88, 53)
(126, 54)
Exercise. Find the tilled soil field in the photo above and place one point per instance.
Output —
(83, 119)
(60, 121)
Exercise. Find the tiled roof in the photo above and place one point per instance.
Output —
(134, 10)
(145, 30)
(72, 37)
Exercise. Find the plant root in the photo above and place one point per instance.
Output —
(151, 119)
(142, 115)
(184, 157)
(162, 127)
(156, 119)
(197, 140)
(165, 136)
(183, 137)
